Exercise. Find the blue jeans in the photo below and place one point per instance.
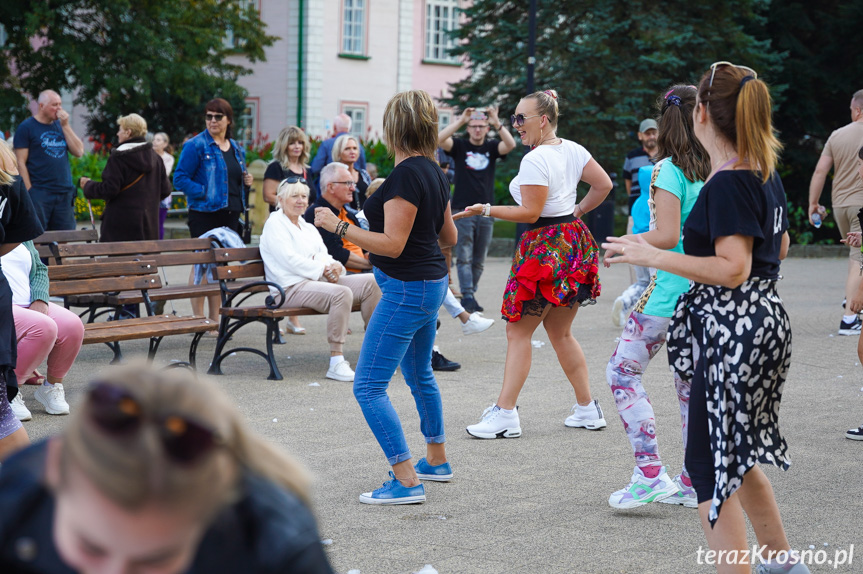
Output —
(474, 237)
(401, 332)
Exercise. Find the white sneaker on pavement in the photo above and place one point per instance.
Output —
(19, 409)
(496, 423)
(53, 397)
(588, 417)
(476, 324)
(642, 490)
(341, 371)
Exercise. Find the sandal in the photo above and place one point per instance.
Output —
(292, 329)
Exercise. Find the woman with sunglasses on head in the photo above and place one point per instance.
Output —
(156, 472)
(346, 150)
(212, 174)
(673, 184)
(730, 335)
(296, 259)
(554, 270)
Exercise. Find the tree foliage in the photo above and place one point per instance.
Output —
(159, 58)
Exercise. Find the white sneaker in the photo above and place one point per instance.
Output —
(642, 490)
(685, 495)
(19, 409)
(496, 424)
(617, 313)
(589, 417)
(53, 398)
(341, 372)
(476, 324)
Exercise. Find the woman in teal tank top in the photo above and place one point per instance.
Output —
(674, 187)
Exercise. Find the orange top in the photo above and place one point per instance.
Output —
(352, 247)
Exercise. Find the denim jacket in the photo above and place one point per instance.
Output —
(202, 175)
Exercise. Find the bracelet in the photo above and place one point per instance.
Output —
(578, 205)
(342, 229)
(486, 210)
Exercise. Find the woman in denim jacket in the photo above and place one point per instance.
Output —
(212, 174)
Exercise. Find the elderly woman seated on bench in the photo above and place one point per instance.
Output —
(296, 258)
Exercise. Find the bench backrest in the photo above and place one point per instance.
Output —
(101, 278)
(166, 252)
(240, 263)
(44, 242)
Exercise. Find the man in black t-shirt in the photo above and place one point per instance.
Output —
(473, 164)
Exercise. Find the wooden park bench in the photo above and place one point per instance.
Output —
(237, 311)
(106, 278)
(164, 253)
(44, 242)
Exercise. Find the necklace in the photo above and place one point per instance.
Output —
(543, 141)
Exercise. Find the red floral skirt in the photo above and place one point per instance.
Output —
(556, 265)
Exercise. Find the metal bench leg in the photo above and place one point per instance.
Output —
(273, 332)
(193, 349)
(216, 365)
(118, 353)
(279, 339)
(154, 347)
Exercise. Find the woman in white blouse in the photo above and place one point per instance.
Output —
(296, 259)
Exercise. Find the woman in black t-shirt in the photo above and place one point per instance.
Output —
(409, 218)
(290, 158)
(18, 223)
(730, 334)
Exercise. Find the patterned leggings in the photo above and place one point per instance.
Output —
(642, 338)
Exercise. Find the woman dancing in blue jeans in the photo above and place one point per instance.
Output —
(409, 218)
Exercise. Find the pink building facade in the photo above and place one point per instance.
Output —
(346, 56)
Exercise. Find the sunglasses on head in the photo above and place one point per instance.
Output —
(117, 412)
(518, 119)
(215, 117)
(296, 179)
(715, 65)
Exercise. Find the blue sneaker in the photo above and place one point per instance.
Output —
(392, 492)
(439, 473)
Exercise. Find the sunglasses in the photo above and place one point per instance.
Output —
(117, 412)
(215, 117)
(296, 179)
(518, 119)
(715, 65)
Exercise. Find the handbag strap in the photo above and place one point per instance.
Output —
(137, 179)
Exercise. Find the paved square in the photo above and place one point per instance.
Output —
(537, 503)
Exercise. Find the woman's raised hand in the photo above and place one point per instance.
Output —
(469, 211)
(628, 249)
(326, 219)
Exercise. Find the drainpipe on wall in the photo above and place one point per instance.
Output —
(300, 63)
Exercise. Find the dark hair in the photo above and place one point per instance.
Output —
(675, 138)
(221, 106)
(860, 153)
(546, 105)
(741, 110)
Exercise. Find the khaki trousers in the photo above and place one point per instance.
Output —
(336, 299)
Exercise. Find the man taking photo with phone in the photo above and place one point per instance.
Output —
(474, 161)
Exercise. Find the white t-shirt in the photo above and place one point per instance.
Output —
(16, 267)
(558, 167)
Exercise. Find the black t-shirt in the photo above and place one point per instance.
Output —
(360, 194)
(737, 203)
(18, 221)
(235, 181)
(421, 182)
(277, 172)
(474, 172)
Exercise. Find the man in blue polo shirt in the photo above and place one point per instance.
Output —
(42, 145)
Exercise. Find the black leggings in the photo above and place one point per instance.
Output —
(201, 222)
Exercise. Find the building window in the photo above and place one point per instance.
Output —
(247, 124)
(443, 119)
(354, 27)
(245, 6)
(357, 113)
(441, 18)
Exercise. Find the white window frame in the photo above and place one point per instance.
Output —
(230, 41)
(247, 124)
(441, 16)
(444, 118)
(359, 114)
(353, 40)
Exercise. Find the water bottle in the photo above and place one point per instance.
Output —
(818, 216)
